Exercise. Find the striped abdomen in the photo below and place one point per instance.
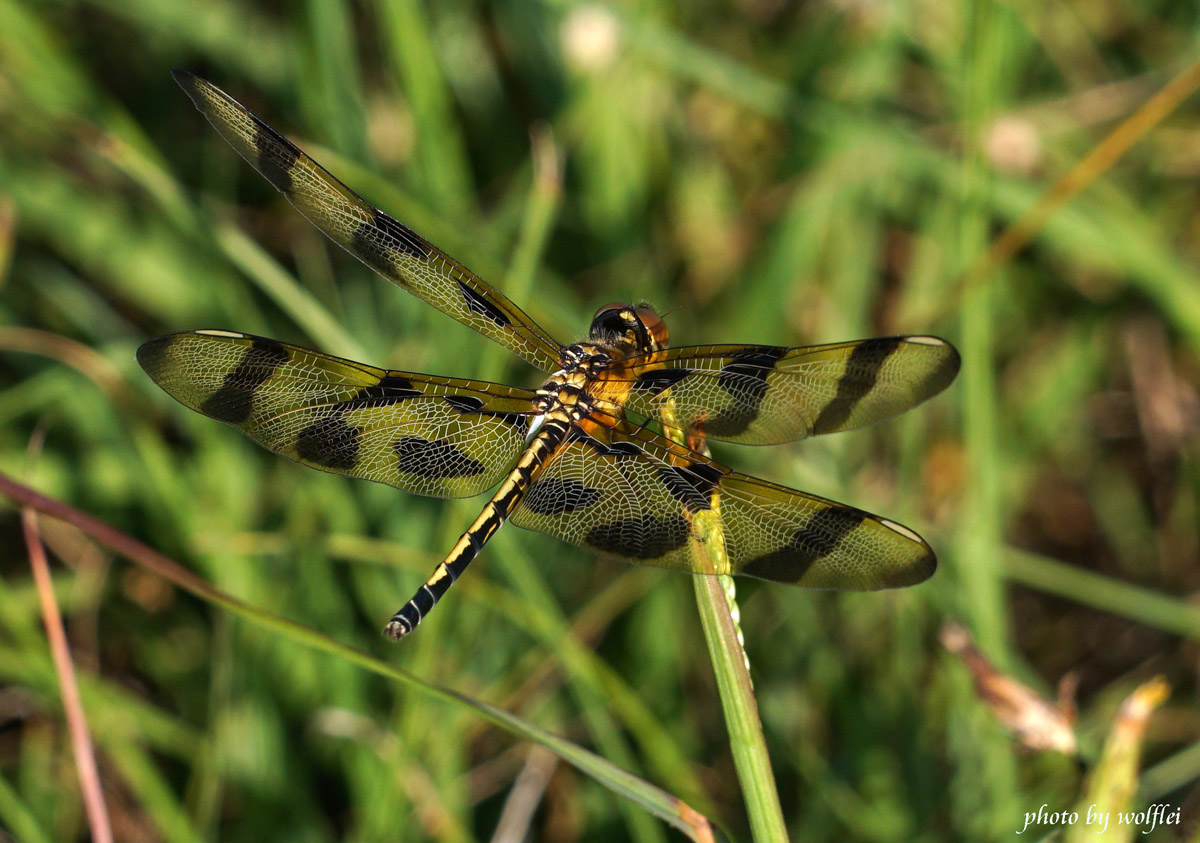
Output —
(553, 432)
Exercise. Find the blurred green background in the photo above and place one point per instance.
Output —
(760, 170)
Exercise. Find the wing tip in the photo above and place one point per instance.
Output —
(922, 569)
(945, 369)
(923, 565)
(152, 354)
(188, 81)
(914, 572)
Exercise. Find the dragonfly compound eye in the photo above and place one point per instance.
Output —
(656, 328)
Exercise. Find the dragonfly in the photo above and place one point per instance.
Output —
(577, 458)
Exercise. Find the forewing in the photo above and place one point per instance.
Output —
(640, 497)
(764, 395)
(382, 243)
(429, 435)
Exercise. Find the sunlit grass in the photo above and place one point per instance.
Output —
(763, 173)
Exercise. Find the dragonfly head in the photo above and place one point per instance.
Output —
(634, 327)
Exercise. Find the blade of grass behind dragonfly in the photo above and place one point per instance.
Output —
(658, 802)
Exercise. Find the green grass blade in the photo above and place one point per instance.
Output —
(1112, 784)
(287, 292)
(658, 802)
(746, 740)
(1158, 611)
(15, 816)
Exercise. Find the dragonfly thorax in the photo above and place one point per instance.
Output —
(588, 357)
(590, 379)
(567, 389)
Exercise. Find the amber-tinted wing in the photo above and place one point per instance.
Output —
(435, 436)
(640, 497)
(764, 395)
(387, 246)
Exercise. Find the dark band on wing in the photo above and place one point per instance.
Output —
(381, 239)
(477, 303)
(691, 485)
(862, 372)
(745, 378)
(645, 537)
(656, 381)
(464, 403)
(435, 460)
(331, 441)
(387, 390)
(233, 401)
(622, 449)
(816, 539)
(276, 156)
(473, 404)
(404, 238)
(558, 496)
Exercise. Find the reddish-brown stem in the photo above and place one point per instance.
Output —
(81, 739)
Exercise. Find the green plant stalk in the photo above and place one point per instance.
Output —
(1088, 588)
(442, 164)
(17, 816)
(537, 224)
(746, 740)
(979, 536)
(716, 604)
(976, 559)
(336, 90)
(1170, 774)
(1113, 783)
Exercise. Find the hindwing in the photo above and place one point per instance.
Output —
(640, 497)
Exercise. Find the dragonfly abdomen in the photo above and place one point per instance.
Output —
(494, 513)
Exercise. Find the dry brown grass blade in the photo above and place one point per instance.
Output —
(114, 539)
(1036, 722)
(530, 786)
(93, 365)
(1078, 178)
(81, 739)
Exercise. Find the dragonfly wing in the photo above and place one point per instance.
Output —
(381, 242)
(429, 435)
(640, 497)
(764, 395)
